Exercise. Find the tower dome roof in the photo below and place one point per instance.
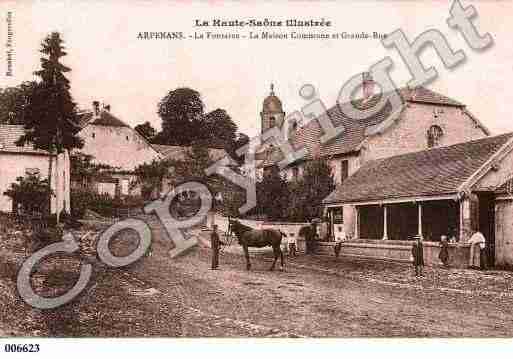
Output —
(272, 103)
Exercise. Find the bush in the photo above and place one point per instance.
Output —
(46, 236)
(31, 192)
(103, 204)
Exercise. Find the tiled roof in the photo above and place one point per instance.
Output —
(178, 152)
(350, 140)
(9, 134)
(108, 119)
(433, 172)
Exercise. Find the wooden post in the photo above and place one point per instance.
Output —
(419, 204)
(385, 230)
(332, 230)
(356, 223)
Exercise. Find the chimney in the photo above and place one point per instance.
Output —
(367, 85)
(96, 108)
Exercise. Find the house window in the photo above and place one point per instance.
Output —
(93, 135)
(344, 170)
(434, 135)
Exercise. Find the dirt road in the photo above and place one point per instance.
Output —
(318, 297)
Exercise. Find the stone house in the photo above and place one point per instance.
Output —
(114, 143)
(16, 161)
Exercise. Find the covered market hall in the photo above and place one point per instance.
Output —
(453, 191)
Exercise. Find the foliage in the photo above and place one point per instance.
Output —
(273, 194)
(50, 114)
(309, 191)
(185, 123)
(83, 169)
(45, 236)
(218, 130)
(240, 141)
(31, 192)
(181, 110)
(146, 130)
(103, 204)
(150, 176)
(13, 101)
(197, 160)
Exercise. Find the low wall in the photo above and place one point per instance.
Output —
(398, 251)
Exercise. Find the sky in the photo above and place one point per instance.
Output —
(110, 64)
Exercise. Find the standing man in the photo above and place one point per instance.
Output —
(215, 244)
(477, 251)
(417, 252)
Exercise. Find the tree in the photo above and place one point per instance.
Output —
(273, 195)
(241, 140)
(83, 169)
(151, 176)
(219, 130)
(13, 101)
(146, 130)
(31, 192)
(181, 111)
(50, 113)
(309, 191)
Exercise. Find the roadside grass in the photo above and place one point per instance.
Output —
(111, 305)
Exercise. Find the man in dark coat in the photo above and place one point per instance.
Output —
(215, 244)
(417, 252)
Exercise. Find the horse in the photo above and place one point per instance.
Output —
(249, 237)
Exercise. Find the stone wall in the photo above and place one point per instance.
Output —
(397, 251)
(120, 147)
(408, 134)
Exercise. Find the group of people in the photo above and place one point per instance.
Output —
(477, 258)
(477, 242)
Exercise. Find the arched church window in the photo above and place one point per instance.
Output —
(434, 135)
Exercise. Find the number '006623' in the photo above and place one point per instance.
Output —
(21, 348)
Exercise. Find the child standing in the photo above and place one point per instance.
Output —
(417, 252)
(291, 239)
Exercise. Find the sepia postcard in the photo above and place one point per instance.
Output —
(282, 172)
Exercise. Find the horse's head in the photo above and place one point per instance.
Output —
(238, 228)
(234, 226)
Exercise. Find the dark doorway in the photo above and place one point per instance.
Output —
(371, 222)
(487, 223)
(402, 221)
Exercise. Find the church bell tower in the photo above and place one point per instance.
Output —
(272, 112)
